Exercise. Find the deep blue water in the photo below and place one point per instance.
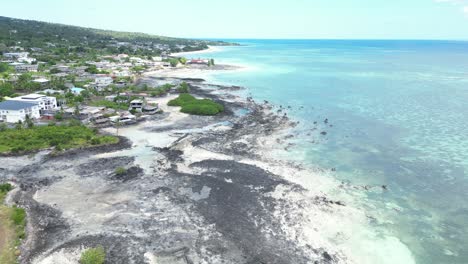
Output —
(399, 117)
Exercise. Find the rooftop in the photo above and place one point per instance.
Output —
(15, 105)
(30, 97)
(41, 80)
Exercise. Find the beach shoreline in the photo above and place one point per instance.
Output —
(167, 156)
(210, 49)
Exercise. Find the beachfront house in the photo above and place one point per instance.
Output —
(198, 62)
(44, 102)
(123, 120)
(137, 105)
(12, 111)
(150, 109)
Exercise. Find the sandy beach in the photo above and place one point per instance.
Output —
(188, 53)
(195, 71)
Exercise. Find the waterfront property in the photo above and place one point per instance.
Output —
(123, 120)
(44, 102)
(137, 105)
(12, 111)
(198, 62)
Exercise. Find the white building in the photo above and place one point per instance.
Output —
(102, 82)
(21, 67)
(44, 102)
(137, 105)
(15, 55)
(41, 81)
(13, 111)
(26, 60)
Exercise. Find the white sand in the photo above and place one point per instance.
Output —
(209, 50)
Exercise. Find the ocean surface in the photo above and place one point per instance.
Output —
(397, 116)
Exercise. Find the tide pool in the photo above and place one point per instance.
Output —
(397, 116)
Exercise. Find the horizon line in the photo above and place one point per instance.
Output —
(242, 38)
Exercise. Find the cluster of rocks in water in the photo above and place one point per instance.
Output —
(207, 211)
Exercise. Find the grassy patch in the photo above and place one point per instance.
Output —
(120, 171)
(194, 106)
(93, 256)
(12, 228)
(111, 104)
(60, 137)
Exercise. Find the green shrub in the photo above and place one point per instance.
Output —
(18, 216)
(95, 141)
(6, 187)
(93, 256)
(120, 171)
(191, 105)
(58, 116)
(58, 136)
(183, 88)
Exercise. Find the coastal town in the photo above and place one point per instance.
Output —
(99, 93)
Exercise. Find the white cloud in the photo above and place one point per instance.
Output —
(465, 9)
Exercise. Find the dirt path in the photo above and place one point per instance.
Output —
(2, 234)
(6, 237)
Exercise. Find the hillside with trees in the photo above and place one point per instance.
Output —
(63, 39)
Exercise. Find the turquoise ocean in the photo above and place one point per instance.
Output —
(397, 116)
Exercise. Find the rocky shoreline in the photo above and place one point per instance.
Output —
(209, 195)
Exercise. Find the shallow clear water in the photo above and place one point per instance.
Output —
(399, 117)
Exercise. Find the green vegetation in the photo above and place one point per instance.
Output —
(4, 189)
(183, 60)
(94, 70)
(173, 61)
(120, 171)
(93, 256)
(153, 91)
(138, 69)
(4, 67)
(211, 62)
(12, 228)
(78, 43)
(191, 105)
(111, 104)
(61, 137)
(183, 88)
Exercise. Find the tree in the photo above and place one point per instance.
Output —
(211, 62)
(19, 125)
(77, 110)
(6, 89)
(4, 67)
(183, 88)
(92, 69)
(59, 116)
(183, 60)
(174, 62)
(29, 122)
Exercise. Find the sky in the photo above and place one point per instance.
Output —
(277, 19)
